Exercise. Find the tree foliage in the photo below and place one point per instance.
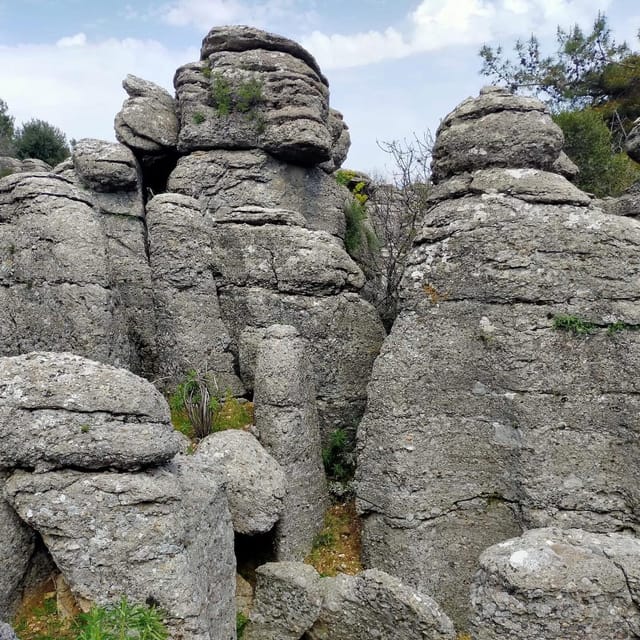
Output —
(592, 85)
(39, 139)
(6, 130)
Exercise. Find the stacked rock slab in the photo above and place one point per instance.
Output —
(255, 126)
(553, 583)
(92, 456)
(56, 291)
(505, 397)
(287, 423)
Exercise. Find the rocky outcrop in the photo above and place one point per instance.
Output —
(632, 145)
(252, 89)
(287, 423)
(287, 602)
(9, 165)
(161, 536)
(16, 549)
(504, 397)
(354, 606)
(62, 410)
(56, 291)
(551, 583)
(254, 482)
(147, 122)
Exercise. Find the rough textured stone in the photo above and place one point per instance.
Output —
(16, 549)
(61, 410)
(287, 423)
(375, 604)
(110, 175)
(287, 601)
(565, 166)
(164, 536)
(227, 181)
(147, 121)
(551, 584)
(56, 291)
(7, 632)
(628, 204)
(289, 117)
(341, 142)
(190, 331)
(632, 145)
(254, 482)
(35, 165)
(496, 130)
(484, 416)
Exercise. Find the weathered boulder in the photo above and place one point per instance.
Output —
(254, 482)
(16, 549)
(504, 397)
(226, 181)
(287, 601)
(61, 410)
(56, 291)
(341, 142)
(35, 165)
(628, 204)
(252, 89)
(375, 604)
(287, 423)
(632, 144)
(161, 536)
(496, 129)
(147, 122)
(110, 175)
(9, 165)
(190, 331)
(551, 584)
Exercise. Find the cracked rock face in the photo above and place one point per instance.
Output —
(288, 113)
(484, 415)
(56, 291)
(61, 410)
(163, 535)
(551, 583)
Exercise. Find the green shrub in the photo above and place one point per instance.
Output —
(575, 325)
(355, 214)
(241, 622)
(198, 118)
(242, 98)
(123, 621)
(39, 139)
(337, 459)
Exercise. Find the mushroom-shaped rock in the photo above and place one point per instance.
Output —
(354, 606)
(553, 583)
(253, 89)
(62, 410)
(255, 483)
(163, 536)
(287, 601)
(147, 121)
(497, 129)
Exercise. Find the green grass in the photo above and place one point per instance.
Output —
(573, 324)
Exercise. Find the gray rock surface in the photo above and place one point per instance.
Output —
(61, 410)
(16, 548)
(7, 632)
(226, 181)
(110, 174)
(341, 142)
(190, 331)
(254, 482)
(288, 114)
(287, 601)
(35, 165)
(486, 413)
(496, 129)
(373, 602)
(56, 291)
(287, 423)
(628, 204)
(632, 145)
(551, 583)
(163, 535)
(147, 121)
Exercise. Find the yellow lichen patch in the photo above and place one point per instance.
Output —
(464, 636)
(337, 547)
(38, 617)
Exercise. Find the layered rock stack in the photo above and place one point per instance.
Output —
(89, 463)
(506, 396)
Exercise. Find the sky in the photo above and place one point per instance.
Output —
(395, 67)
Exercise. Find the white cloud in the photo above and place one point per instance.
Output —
(436, 24)
(69, 85)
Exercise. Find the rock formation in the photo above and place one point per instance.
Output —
(505, 396)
